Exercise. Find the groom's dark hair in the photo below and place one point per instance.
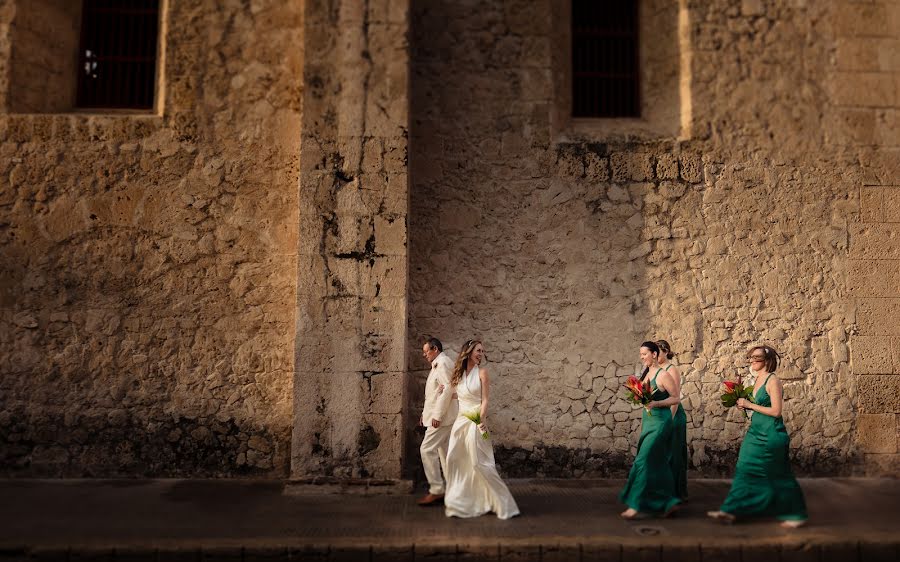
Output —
(434, 343)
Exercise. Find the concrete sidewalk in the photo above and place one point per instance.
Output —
(156, 520)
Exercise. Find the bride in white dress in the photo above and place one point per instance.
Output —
(473, 485)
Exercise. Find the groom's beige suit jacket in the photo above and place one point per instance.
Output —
(436, 404)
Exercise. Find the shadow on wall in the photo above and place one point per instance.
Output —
(532, 245)
(80, 445)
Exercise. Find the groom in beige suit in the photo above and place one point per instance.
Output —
(438, 415)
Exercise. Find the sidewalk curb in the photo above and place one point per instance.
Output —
(606, 551)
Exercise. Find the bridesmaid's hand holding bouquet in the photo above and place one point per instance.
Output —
(639, 394)
(735, 391)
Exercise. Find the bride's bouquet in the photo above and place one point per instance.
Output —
(475, 416)
(734, 391)
(638, 393)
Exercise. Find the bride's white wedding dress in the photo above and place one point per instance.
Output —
(473, 485)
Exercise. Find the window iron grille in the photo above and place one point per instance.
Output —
(117, 55)
(605, 59)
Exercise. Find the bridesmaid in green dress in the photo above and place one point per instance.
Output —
(764, 484)
(679, 425)
(650, 489)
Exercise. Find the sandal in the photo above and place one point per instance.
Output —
(632, 515)
(721, 516)
(793, 523)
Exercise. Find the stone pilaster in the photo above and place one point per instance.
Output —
(352, 275)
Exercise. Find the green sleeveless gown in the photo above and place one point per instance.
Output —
(651, 486)
(764, 484)
(679, 451)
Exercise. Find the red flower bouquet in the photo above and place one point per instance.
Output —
(637, 393)
(734, 391)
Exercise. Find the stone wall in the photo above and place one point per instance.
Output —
(865, 86)
(564, 251)
(149, 271)
(182, 290)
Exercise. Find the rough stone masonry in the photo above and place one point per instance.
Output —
(236, 282)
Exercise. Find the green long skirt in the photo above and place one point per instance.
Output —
(680, 453)
(764, 484)
(651, 486)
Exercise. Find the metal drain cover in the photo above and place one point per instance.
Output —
(648, 530)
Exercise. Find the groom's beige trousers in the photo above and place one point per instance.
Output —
(434, 450)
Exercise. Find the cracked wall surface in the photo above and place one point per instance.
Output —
(149, 261)
(352, 271)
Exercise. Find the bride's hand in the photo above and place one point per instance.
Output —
(482, 428)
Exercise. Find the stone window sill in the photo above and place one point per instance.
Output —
(624, 130)
(38, 127)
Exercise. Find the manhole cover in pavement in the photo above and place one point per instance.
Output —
(648, 530)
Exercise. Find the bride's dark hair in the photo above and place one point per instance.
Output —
(462, 361)
(653, 349)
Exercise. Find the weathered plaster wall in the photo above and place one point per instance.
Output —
(149, 262)
(565, 250)
(351, 308)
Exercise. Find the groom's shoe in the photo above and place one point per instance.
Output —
(431, 499)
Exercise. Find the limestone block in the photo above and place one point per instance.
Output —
(879, 394)
(863, 89)
(387, 277)
(667, 166)
(888, 56)
(692, 168)
(877, 317)
(882, 464)
(386, 393)
(858, 53)
(378, 444)
(854, 125)
(875, 241)
(860, 19)
(874, 278)
(891, 195)
(570, 165)
(390, 235)
(596, 167)
(895, 347)
(619, 166)
(877, 433)
(873, 355)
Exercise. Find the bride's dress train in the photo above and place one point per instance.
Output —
(473, 485)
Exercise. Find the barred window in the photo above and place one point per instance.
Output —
(117, 56)
(605, 57)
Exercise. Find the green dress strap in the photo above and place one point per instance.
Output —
(764, 385)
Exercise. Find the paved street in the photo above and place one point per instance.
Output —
(851, 519)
